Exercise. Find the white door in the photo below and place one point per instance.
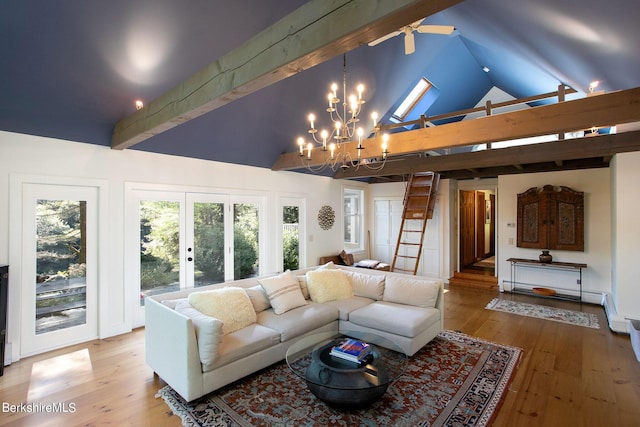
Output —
(59, 266)
(387, 218)
(178, 240)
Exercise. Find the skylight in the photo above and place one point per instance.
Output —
(412, 99)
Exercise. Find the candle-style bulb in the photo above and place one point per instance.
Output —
(311, 119)
(385, 144)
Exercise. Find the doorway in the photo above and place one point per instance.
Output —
(180, 239)
(59, 292)
(477, 232)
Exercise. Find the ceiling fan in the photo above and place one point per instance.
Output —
(409, 41)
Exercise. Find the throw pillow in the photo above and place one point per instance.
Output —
(346, 258)
(231, 305)
(283, 292)
(258, 298)
(330, 265)
(367, 285)
(208, 331)
(367, 263)
(302, 281)
(328, 285)
(419, 293)
(171, 303)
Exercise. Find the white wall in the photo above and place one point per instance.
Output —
(31, 155)
(595, 183)
(625, 291)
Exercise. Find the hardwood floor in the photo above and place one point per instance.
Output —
(568, 375)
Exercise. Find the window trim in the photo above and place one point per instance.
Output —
(351, 246)
(412, 99)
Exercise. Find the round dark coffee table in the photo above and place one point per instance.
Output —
(344, 384)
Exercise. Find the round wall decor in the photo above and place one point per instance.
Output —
(326, 217)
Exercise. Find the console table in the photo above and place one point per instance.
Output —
(570, 266)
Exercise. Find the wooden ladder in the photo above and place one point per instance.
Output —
(419, 201)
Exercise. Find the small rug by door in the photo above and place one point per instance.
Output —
(486, 263)
(588, 320)
(454, 380)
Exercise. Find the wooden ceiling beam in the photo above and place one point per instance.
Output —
(317, 31)
(602, 147)
(600, 111)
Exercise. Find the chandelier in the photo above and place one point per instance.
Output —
(345, 128)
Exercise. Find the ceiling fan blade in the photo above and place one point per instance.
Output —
(436, 29)
(383, 38)
(416, 24)
(409, 43)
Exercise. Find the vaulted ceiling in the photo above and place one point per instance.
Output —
(72, 69)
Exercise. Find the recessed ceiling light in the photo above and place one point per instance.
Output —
(485, 69)
(139, 104)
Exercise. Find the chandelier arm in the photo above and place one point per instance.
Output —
(340, 134)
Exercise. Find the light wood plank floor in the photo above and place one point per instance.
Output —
(568, 376)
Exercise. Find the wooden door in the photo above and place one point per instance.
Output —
(467, 227)
(480, 219)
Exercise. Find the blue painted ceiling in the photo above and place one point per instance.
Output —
(71, 69)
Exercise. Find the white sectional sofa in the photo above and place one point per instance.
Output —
(198, 340)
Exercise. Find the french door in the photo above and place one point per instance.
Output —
(189, 240)
(59, 266)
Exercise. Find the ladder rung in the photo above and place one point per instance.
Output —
(407, 256)
(412, 231)
(401, 269)
(409, 243)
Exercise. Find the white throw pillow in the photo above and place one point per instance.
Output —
(419, 293)
(330, 265)
(258, 298)
(367, 285)
(208, 331)
(171, 303)
(231, 305)
(328, 285)
(283, 292)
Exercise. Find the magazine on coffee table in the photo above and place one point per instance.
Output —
(351, 350)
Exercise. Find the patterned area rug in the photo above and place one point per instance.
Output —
(579, 318)
(455, 380)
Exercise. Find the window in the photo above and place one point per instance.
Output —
(409, 103)
(353, 218)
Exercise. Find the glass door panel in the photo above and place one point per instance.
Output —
(61, 262)
(290, 238)
(246, 237)
(208, 243)
(159, 247)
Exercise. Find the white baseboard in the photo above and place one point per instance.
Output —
(617, 323)
(7, 354)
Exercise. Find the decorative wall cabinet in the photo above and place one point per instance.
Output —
(551, 218)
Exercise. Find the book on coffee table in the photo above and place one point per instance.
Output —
(351, 350)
